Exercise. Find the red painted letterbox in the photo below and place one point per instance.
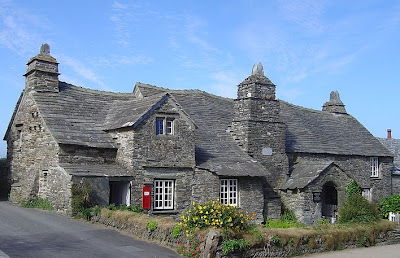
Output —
(146, 197)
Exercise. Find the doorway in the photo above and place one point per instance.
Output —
(329, 200)
(120, 192)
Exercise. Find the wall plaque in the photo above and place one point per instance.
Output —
(317, 196)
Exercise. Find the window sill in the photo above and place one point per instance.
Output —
(375, 177)
(164, 212)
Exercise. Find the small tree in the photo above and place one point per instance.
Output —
(352, 188)
(358, 210)
(80, 197)
(389, 204)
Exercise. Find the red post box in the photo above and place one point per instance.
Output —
(146, 197)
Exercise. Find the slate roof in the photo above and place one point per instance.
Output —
(75, 115)
(304, 173)
(393, 145)
(81, 116)
(216, 151)
(94, 169)
(313, 131)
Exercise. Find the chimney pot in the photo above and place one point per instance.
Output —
(389, 133)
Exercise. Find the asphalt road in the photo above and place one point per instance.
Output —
(382, 251)
(36, 233)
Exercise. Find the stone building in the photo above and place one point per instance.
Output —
(393, 145)
(165, 148)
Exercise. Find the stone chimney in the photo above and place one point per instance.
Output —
(334, 105)
(42, 72)
(389, 133)
(257, 127)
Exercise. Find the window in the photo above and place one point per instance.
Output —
(163, 194)
(366, 193)
(229, 191)
(169, 126)
(165, 126)
(374, 166)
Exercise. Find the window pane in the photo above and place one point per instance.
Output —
(228, 191)
(169, 126)
(164, 199)
(159, 126)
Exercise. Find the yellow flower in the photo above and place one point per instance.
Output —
(193, 203)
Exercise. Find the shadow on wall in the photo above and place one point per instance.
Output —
(4, 182)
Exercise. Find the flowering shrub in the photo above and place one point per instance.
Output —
(216, 215)
(192, 248)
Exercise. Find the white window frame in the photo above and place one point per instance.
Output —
(167, 126)
(367, 194)
(229, 191)
(164, 194)
(374, 164)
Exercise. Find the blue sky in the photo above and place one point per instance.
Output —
(308, 48)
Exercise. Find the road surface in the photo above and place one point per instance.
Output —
(382, 251)
(35, 233)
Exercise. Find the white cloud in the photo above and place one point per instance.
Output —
(82, 70)
(121, 17)
(225, 83)
(20, 31)
(306, 13)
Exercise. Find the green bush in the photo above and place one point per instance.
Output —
(136, 208)
(37, 202)
(389, 204)
(216, 215)
(152, 225)
(276, 241)
(80, 199)
(353, 187)
(233, 245)
(357, 209)
(287, 220)
(176, 231)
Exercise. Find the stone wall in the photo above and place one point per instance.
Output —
(32, 151)
(343, 169)
(99, 186)
(182, 187)
(55, 185)
(149, 156)
(205, 187)
(307, 210)
(395, 184)
(81, 154)
(257, 126)
(4, 180)
(359, 168)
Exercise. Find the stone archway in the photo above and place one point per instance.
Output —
(329, 200)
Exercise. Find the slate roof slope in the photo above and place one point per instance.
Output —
(304, 173)
(124, 113)
(393, 145)
(216, 150)
(75, 115)
(94, 169)
(312, 131)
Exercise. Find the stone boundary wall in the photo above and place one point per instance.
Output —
(163, 235)
(4, 182)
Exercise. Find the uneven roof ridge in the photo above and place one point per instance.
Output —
(314, 131)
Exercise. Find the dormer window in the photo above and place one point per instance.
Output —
(374, 167)
(164, 126)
